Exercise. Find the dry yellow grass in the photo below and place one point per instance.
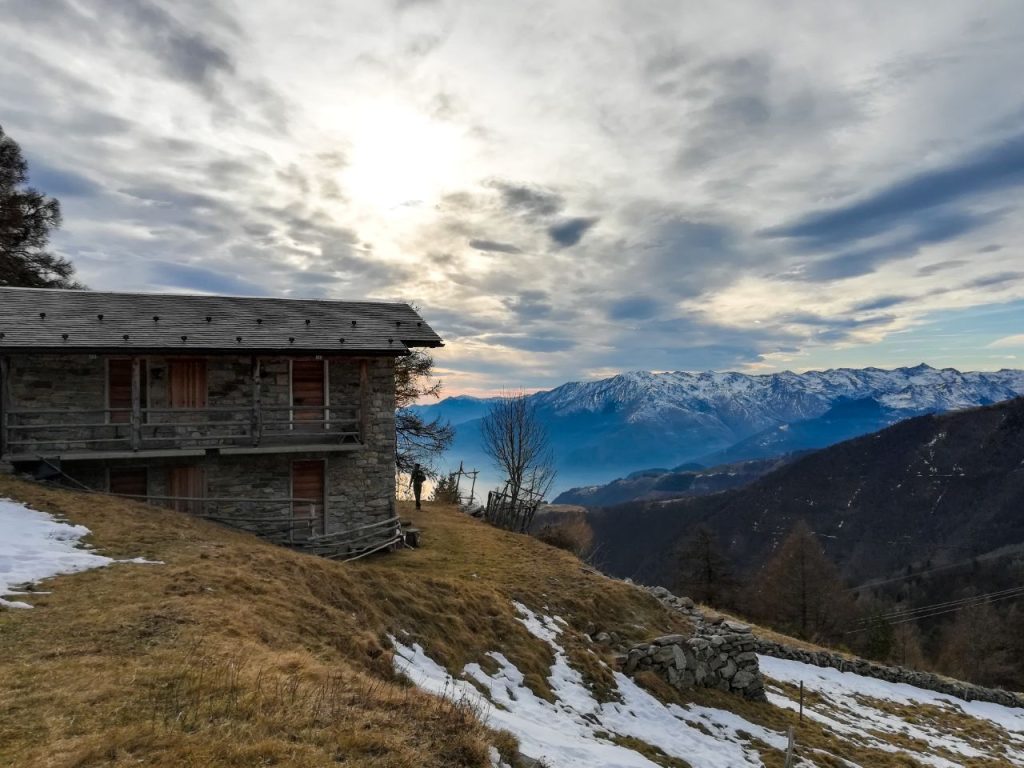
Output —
(237, 652)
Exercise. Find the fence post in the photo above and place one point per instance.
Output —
(789, 749)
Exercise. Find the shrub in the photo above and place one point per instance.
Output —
(574, 536)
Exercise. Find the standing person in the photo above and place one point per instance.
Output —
(418, 478)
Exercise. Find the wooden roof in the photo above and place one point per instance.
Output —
(93, 321)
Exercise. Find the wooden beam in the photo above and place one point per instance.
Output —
(136, 423)
(5, 402)
(257, 402)
(364, 400)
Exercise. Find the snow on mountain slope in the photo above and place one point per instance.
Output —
(852, 720)
(608, 428)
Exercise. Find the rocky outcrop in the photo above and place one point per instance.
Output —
(926, 680)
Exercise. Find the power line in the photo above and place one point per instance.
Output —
(986, 599)
(903, 612)
(937, 569)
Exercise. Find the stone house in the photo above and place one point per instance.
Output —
(275, 415)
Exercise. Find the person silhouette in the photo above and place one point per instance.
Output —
(417, 478)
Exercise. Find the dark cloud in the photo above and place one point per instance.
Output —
(532, 343)
(492, 245)
(184, 52)
(634, 308)
(941, 266)
(930, 227)
(994, 168)
(990, 248)
(528, 200)
(571, 231)
(529, 306)
(999, 279)
(882, 302)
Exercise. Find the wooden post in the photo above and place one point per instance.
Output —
(789, 749)
(256, 425)
(364, 401)
(5, 404)
(136, 420)
(801, 701)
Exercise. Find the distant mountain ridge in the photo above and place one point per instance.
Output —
(931, 490)
(682, 482)
(633, 421)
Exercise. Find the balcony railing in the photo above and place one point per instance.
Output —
(49, 432)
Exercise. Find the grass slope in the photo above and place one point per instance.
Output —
(239, 653)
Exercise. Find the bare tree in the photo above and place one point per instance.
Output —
(418, 441)
(517, 441)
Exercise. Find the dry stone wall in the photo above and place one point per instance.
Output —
(864, 668)
(720, 654)
(926, 680)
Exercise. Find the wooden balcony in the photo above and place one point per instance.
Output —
(31, 434)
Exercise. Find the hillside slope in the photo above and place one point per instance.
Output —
(233, 652)
(934, 489)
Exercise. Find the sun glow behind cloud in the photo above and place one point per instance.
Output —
(567, 189)
(400, 159)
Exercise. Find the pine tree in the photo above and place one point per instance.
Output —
(705, 574)
(800, 590)
(27, 217)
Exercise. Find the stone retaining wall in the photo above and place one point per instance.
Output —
(721, 657)
(926, 680)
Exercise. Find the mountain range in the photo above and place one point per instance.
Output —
(638, 420)
(929, 491)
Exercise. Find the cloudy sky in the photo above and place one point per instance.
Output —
(567, 188)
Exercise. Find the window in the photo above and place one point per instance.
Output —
(128, 481)
(309, 486)
(119, 389)
(186, 384)
(309, 394)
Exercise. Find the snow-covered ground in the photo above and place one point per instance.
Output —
(577, 731)
(865, 712)
(35, 546)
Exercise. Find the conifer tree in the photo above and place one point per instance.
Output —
(27, 217)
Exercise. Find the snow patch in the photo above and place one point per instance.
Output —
(577, 731)
(36, 546)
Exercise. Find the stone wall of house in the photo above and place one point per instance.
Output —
(360, 484)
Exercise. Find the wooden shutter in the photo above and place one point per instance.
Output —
(308, 390)
(129, 481)
(308, 483)
(119, 389)
(187, 484)
(186, 384)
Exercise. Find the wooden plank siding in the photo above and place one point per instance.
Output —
(309, 482)
(309, 388)
(186, 383)
(128, 481)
